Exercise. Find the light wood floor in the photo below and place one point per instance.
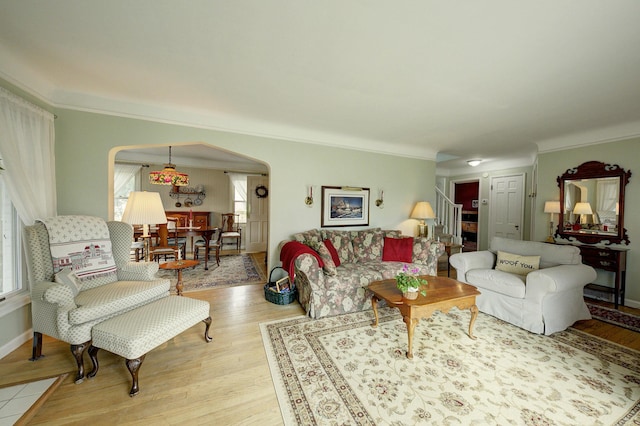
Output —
(187, 381)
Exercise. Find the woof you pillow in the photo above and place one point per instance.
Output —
(516, 264)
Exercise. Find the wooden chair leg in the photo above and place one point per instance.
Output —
(133, 365)
(78, 353)
(37, 347)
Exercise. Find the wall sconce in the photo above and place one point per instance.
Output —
(380, 201)
(309, 200)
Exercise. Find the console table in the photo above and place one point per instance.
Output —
(608, 259)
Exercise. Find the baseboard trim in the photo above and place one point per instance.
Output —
(15, 343)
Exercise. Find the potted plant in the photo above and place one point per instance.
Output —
(409, 283)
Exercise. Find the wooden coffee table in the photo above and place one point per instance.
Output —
(179, 265)
(442, 295)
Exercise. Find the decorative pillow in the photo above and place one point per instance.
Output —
(333, 252)
(425, 251)
(516, 264)
(68, 278)
(329, 267)
(341, 240)
(398, 250)
(367, 244)
(392, 233)
(311, 236)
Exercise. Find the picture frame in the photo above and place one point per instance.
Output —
(344, 206)
(282, 284)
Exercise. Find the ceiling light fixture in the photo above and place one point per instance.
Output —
(169, 175)
(473, 163)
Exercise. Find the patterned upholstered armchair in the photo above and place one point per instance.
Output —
(66, 304)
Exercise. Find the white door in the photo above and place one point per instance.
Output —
(507, 206)
(256, 233)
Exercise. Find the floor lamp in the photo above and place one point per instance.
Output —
(144, 208)
(551, 207)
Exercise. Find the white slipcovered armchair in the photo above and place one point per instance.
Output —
(546, 300)
(65, 307)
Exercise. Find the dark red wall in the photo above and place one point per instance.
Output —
(465, 193)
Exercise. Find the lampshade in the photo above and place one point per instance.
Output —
(144, 208)
(169, 175)
(582, 208)
(422, 211)
(552, 207)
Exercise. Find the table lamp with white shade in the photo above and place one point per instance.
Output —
(582, 209)
(551, 207)
(144, 208)
(423, 211)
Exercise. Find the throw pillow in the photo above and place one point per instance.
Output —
(333, 252)
(397, 250)
(341, 240)
(312, 235)
(516, 264)
(68, 278)
(329, 267)
(367, 244)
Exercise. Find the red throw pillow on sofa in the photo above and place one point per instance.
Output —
(398, 249)
(333, 252)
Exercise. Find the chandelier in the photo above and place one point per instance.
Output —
(169, 175)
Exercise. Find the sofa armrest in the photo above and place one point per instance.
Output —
(464, 262)
(557, 279)
(307, 265)
(138, 271)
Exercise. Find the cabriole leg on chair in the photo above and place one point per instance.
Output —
(78, 352)
(37, 347)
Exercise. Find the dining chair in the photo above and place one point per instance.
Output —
(163, 246)
(214, 246)
(231, 229)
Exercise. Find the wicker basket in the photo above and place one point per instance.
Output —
(279, 297)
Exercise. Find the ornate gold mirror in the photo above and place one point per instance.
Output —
(592, 203)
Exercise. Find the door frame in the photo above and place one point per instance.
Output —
(452, 196)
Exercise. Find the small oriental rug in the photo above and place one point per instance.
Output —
(234, 270)
(340, 370)
(615, 317)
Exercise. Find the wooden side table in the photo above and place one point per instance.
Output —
(179, 265)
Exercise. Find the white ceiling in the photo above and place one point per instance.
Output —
(466, 79)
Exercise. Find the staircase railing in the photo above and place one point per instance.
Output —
(449, 215)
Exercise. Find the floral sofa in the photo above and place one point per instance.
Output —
(333, 280)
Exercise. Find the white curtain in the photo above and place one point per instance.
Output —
(607, 194)
(122, 173)
(27, 140)
(239, 181)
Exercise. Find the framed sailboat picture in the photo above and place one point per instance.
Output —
(345, 206)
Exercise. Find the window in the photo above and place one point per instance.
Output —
(239, 183)
(125, 177)
(10, 249)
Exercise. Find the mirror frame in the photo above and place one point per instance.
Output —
(593, 170)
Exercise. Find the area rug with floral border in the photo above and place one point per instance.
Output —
(234, 270)
(340, 370)
(615, 317)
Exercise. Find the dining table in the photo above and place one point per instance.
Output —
(186, 231)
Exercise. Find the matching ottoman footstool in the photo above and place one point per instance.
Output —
(134, 333)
